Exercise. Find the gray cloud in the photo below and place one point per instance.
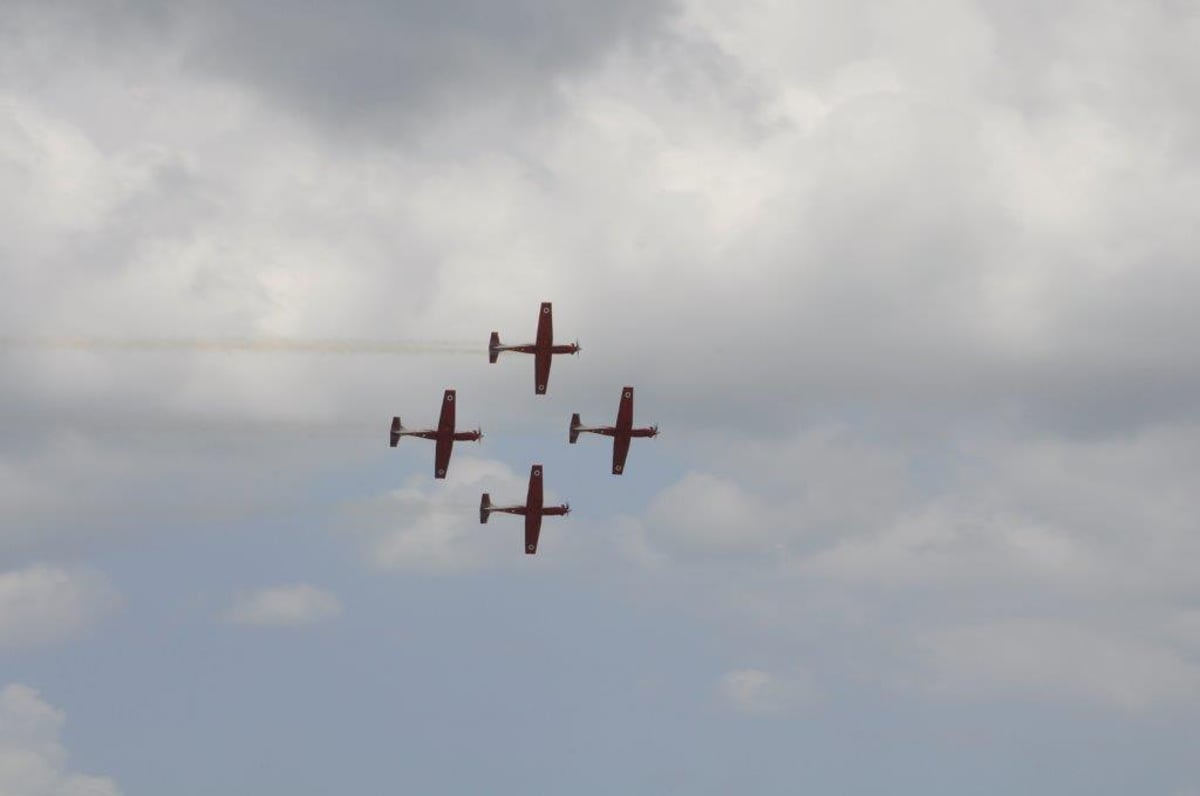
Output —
(366, 65)
(908, 287)
(397, 59)
(841, 231)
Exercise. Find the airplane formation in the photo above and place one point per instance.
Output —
(534, 508)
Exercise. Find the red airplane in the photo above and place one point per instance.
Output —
(533, 510)
(444, 434)
(621, 433)
(541, 350)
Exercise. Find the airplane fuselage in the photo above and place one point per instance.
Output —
(613, 431)
(538, 350)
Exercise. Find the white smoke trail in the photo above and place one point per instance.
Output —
(239, 345)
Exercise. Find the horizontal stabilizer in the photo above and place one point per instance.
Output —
(485, 504)
(494, 348)
(575, 424)
(395, 435)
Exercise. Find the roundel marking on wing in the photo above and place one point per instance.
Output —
(628, 394)
(541, 387)
(545, 310)
(617, 469)
(449, 397)
(441, 471)
(529, 548)
(537, 473)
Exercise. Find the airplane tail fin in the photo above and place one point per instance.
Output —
(494, 348)
(575, 424)
(395, 434)
(485, 507)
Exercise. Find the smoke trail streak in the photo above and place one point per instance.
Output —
(239, 345)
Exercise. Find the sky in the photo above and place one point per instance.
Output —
(909, 287)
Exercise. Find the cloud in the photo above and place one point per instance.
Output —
(760, 692)
(1056, 660)
(44, 604)
(710, 512)
(1067, 514)
(365, 65)
(967, 304)
(860, 510)
(32, 758)
(285, 606)
(403, 59)
(780, 495)
(434, 526)
(1034, 280)
(1008, 562)
(909, 286)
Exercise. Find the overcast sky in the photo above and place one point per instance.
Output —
(909, 286)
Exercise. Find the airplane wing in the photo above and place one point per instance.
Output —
(441, 457)
(533, 509)
(533, 528)
(533, 499)
(620, 451)
(446, 422)
(545, 332)
(541, 372)
(625, 410)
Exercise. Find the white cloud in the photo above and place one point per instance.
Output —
(32, 758)
(705, 511)
(760, 692)
(967, 279)
(1041, 556)
(781, 495)
(434, 525)
(43, 604)
(285, 606)
(1057, 660)
(1069, 515)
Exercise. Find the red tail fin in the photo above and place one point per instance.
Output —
(493, 348)
(395, 435)
(575, 424)
(485, 502)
